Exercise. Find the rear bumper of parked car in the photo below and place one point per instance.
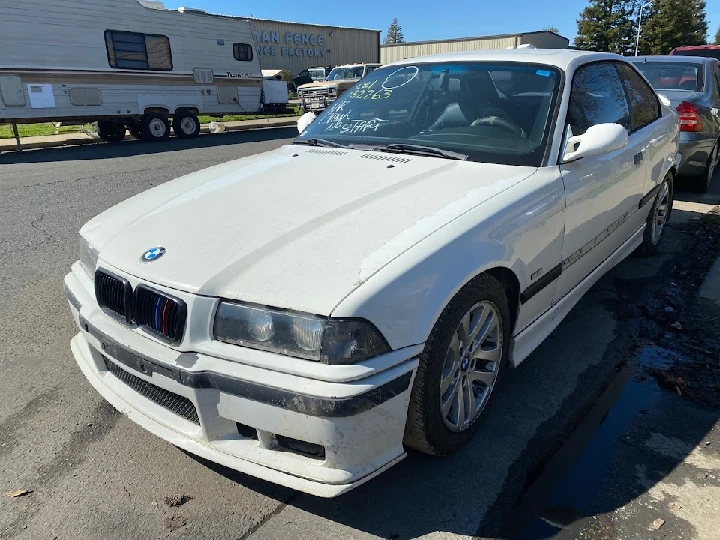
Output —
(695, 149)
(320, 437)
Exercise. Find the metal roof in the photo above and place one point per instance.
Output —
(673, 58)
(453, 40)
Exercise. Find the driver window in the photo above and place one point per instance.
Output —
(597, 97)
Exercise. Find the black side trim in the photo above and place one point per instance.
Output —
(650, 196)
(540, 284)
(277, 397)
(72, 298)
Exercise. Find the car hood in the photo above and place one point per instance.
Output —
(299, 227)
(344, 83)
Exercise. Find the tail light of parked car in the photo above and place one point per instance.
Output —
(689, 117)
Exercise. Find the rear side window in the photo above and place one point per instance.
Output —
(132, 50)
(597, 97)
(644, 103)
(242, 52)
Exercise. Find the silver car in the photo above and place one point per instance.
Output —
(692, 84)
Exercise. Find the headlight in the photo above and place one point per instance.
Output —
(88, 256)
(332, 341)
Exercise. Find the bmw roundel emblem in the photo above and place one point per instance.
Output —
(153, 254)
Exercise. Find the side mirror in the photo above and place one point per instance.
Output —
(597, 140)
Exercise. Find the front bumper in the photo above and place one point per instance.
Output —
(240, 415)
(317, 104)
(695, 149)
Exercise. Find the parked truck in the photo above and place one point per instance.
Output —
(316, 96)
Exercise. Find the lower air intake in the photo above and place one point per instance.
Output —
(174, 403)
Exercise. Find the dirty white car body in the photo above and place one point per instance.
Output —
(386, 241)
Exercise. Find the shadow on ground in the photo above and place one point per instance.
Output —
(136, 147)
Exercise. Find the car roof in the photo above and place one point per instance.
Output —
(560, 58)
(673, 58)
(695, 47)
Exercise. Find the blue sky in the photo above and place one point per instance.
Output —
(422, 19)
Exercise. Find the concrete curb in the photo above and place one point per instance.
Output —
(81, 139)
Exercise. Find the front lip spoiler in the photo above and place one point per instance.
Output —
(277, 397)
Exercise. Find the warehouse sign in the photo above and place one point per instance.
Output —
(310, 45)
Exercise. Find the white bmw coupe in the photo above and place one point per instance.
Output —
(306, 314)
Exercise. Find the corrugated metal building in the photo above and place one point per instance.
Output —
(541, 40)
(298, 46)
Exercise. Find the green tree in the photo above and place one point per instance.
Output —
(394, 33)
(551, 29)
(671, 23)
(607, 26)
(717, 36)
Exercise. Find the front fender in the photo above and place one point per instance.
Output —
(521, 230)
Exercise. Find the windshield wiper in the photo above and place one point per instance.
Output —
(420, 150)
(321, 142)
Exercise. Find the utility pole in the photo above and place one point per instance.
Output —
(639, 23)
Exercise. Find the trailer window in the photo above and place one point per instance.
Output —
(242, 52)
(132, 50)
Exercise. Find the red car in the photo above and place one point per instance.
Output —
(713, 51)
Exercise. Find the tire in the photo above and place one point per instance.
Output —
(652, 236)
(155, 127)
(186, 125)
(429, 429)
(111, 131)
(701, 183)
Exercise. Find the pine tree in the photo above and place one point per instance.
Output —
(672, 23)
(394, 33)
(717, 36)
(607, 26)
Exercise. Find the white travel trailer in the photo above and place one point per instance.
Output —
(128, 64)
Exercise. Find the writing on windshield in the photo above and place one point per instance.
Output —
(497, 112)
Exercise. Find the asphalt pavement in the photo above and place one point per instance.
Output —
(91, 473)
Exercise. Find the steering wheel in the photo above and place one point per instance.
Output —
(500, 122)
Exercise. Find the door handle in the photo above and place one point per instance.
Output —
(638, 158)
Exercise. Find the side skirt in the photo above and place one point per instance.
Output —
(530, 338)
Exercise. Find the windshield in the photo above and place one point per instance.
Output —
(343, 73)
(491, 112)
(673, 75)
(317, 74)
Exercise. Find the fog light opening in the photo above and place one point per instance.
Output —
(246, 431)
(301, 447)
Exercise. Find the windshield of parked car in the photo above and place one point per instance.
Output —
(317, 74)
(491, 112)
(673, 75)
(343, 73)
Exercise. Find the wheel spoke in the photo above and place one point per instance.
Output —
(461, 395)
(485, 377)
(447, 405)
(486, 323)
(448, 380)
(491, 355)
(463, 330)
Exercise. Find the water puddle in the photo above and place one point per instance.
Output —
(565, 489)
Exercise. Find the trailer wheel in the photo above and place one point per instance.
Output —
(155, 127)
(186, 125)
(111, 131)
